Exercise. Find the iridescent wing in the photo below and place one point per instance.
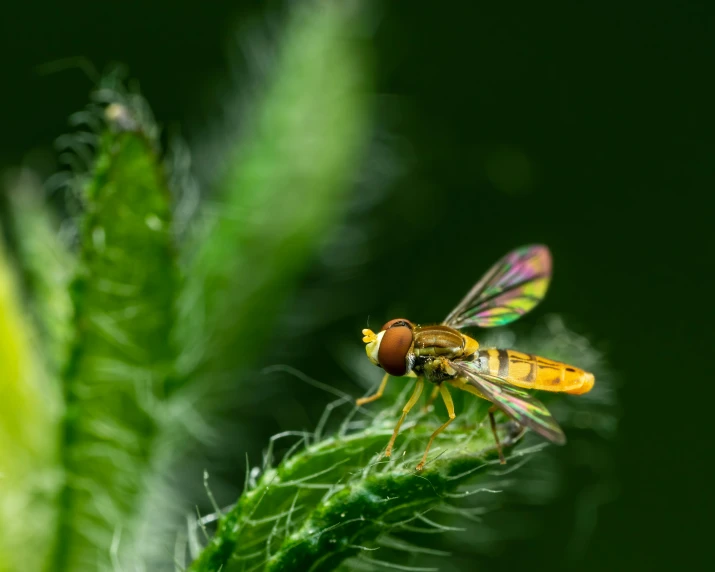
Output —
(511, 288)
(515, 402)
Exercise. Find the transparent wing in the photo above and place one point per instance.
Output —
(511, 288)
(515, 402)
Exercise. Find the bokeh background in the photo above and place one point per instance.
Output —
(586, 127)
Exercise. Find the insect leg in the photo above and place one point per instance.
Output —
(377, 395)
(405, 410)
(493, 423)
(432, 397)
(447, 398)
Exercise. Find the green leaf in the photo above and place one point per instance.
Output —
(47, 266)
(30, 408)
(338, 497)
(280, 192)
(124, 299)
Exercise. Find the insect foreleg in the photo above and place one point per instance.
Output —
(377, 395)
(449, 404)
(405, 410)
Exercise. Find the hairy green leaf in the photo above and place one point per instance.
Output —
(122, 356)
(322, 505)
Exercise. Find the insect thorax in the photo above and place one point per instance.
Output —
(435, 346)
(437, 341)
(434, 369)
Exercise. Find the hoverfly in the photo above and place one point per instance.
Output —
(444, 356)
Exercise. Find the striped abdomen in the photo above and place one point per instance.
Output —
(534, 372)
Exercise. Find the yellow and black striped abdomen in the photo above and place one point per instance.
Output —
(534, 372)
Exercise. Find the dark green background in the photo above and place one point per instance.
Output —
(612, 104)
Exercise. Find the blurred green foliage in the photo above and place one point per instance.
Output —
(135, 310)
(30, 408)
(279, 191)
(121, 356)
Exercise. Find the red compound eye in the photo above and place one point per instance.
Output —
(395, 344)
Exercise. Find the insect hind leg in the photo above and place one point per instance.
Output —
(492, 422)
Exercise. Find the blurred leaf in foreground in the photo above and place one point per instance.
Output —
(280, 190)
(46, 264)
(30, 408)
(115, 380)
